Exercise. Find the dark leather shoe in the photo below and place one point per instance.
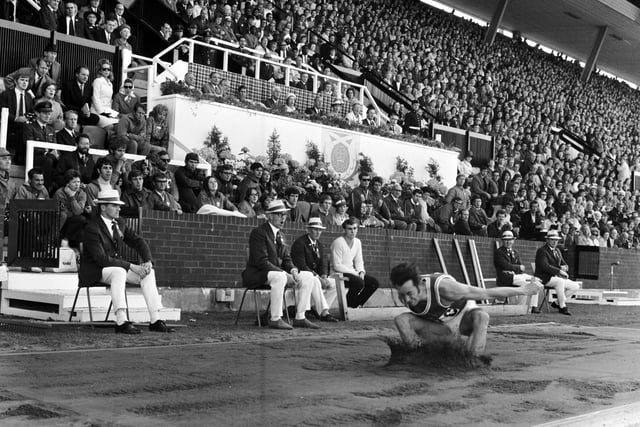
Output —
(535, 310)
(127, 328)
(160, 326)
(555, 305)
(304, 323)
(565, 311)
(328, 318)
(279, 324)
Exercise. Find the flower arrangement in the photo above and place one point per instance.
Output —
(365, 165)
(216, 149)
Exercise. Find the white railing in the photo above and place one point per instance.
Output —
(4, 126)
(227, 49)
(31, 145)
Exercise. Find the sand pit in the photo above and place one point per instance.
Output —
(543, 368)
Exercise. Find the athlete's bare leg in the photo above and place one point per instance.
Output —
(414, 330)
(474, 324)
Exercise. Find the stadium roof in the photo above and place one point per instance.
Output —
(571, 27)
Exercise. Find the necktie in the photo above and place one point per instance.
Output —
(116, 232)
(21, 105)
(82, 89)
(314, 246)
(72, 30)
(44, 131)
(279, 242)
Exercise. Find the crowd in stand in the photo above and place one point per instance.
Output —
(509, 90)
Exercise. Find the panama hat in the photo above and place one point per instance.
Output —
(276, 206)
(316, 222)
(109, 197)
(508, 235)
(553, 235)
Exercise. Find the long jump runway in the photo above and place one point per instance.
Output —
(539, 373)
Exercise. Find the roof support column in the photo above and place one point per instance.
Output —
(595, 52)
(490, 35)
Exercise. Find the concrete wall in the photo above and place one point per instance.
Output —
(191, 121)
(201, 251)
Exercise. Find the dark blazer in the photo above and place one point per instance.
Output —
(33, 132)
(528, 225)
(313, 111)
(80, 25)
(54, 69)
(506, 265)
(264, 256)
(100, 250)
(305, 258)
(101, 37)
(72, 98)
(47, 19)
(8, 99)
(462, 228)
(548, 263)
(71, 160)
(64, 137)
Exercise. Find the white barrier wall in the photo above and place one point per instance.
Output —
(191, 121)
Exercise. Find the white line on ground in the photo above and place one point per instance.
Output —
(619, 416)
(359, 334)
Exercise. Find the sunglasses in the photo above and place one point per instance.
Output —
(165, 160)
(106, 69)
(128, 87)
(365, 179)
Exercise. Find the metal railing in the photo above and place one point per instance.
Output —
(232, 49)
(32, 145)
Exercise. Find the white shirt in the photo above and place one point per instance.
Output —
(24, 107)
(345, 258)
(109, 224)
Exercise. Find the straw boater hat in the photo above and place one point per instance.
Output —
(276, 206)
(109, 197)
(315, 222)
(553, 235)
(508, 235)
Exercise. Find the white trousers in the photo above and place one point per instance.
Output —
(278, 281)
(520, 280)
(117, 278)
(563, 287)
(321, 299)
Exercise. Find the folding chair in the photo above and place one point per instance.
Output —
(97, 285)
(255, 301)
(546, 296)
(265, 286)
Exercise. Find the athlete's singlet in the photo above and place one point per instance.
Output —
(433, 309)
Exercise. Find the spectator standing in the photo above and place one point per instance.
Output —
(252, 180)
(72, 201)
(189, 181)
(72, 24)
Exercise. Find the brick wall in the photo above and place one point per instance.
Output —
(210, 251)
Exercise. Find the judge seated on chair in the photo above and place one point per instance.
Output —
(270, 264)
(510, 270)
(101, 262)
